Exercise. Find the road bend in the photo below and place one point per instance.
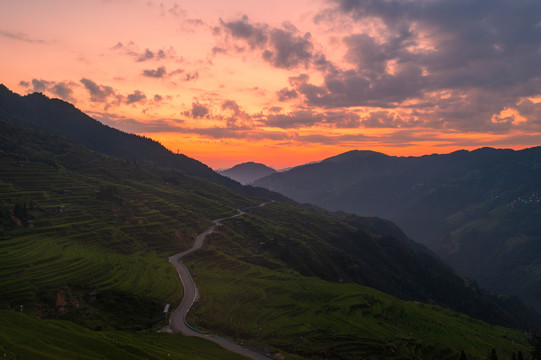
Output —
(177, 320)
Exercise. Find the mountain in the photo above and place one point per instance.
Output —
(85, 238)
(248, 172)
(75, 222)
(479, 210)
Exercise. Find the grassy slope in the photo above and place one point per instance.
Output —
(25, 337)
(317, 319)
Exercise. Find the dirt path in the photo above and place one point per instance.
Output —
(177, 320)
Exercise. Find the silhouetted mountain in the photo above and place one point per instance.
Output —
(247, 173)
(478, 210)
(61, 118)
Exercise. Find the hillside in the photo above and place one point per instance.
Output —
(247, 173)
(478, 210)
(85, 237)
(90, 231)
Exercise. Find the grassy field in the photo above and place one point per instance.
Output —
(25, 337)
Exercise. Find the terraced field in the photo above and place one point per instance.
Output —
(25, 337)
(306, 317)
(81, 233)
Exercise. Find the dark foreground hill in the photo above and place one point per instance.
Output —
(478, 210)
(247, 173)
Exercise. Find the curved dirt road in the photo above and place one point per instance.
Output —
(177, 320)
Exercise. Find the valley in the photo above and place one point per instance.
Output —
(85, 239)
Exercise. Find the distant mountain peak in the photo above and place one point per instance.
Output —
(354, 154)
(248, 172)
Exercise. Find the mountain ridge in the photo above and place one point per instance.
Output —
(248, 172)
(487, 195)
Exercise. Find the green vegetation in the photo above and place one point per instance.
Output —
(81, 222)
(85, 237)
(321, 320)
(25, 337)
(479, 210)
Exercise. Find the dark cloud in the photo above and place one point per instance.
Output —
(288, 50)
(480, 55)
(231, 105)
(296, 119)
(254, 35)
(109, 96)
(387, 119)
(307, 118)
(98, 93)
(158, 98)
(61, 89)
(160, 72)
(286, 94)
(135, 97)
(40, 85)
(282, 47)
(198, 110)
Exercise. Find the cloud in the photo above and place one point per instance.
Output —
(288, 50)
(98, 93)
(109, 96)
(136, 126)
(255, 35)
(189, 76)
(238, 118)
(466, 66)
(307, 118)
(198, 111)
(237, 133)
(135, 97)
(387, 119)
(281, 47)
(20, 37)
(160, 72)
(63, 89)
(286, 94)
(296, 119)
(40, 85)
(131, 49)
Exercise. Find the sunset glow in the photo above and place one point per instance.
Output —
(287, 82)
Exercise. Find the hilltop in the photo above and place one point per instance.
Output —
(248, 172)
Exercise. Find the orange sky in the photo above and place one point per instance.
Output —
(286, 82)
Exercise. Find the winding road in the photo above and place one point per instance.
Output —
(177, 320)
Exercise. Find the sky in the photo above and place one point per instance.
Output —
(287, 82)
